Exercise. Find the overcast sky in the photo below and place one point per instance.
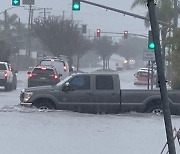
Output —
(94, 17)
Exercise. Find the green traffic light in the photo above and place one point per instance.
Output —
(151, 45)
(15, 2)
(76, 6)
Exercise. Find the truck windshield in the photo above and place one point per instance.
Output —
(64, 80)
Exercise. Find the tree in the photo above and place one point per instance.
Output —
(9, 27)
(59, 35)
(105, 48)
(5, 51)
(175, 59)
(164, 12)
(83, 45)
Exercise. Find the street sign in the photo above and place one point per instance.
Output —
(28, 2)
(148, 55)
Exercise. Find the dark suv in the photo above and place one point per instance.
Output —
(43, 75)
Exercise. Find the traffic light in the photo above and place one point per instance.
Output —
(125, 34)
(151, 44)
(76, 5)
(98, 32)
(15, 2)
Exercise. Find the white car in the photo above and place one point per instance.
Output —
(8, 77)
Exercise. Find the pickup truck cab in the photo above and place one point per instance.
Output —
(96, 93)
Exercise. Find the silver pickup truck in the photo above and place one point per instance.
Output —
(96, 93)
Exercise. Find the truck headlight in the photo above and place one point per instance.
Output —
(27, 96)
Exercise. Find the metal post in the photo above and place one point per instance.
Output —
(152, 75)
(161, 76)
(5, 22)
(148, 74)
(28, 54)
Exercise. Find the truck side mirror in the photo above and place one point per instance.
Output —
(66, 87)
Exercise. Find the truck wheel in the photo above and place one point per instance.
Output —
(156, 109)
(44, 104)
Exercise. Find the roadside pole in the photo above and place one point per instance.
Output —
(161, 76)
(28, 52)
(152, 75)
(148, 74)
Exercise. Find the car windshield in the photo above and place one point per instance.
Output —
(41, 71)
(142, 74)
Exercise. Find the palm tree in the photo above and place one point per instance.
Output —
(164, 12)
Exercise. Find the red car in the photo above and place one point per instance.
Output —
(141, 77)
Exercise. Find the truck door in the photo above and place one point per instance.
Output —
(105, 94)
(78, 97)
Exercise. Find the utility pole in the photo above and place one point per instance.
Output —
(28, 52)
(44, 12)
(5, 23)
(161, 77)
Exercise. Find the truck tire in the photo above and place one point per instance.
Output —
(44, 104)
(156, 109)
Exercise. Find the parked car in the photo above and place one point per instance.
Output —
(141, 77)
(8, 77)
(61, 66)
(43, 75)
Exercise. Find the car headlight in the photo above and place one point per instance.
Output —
(27, 96)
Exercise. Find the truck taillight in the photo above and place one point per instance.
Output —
(5, 74)
(65, 68)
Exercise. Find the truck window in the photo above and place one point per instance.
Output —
(104, 82)
(80, 83)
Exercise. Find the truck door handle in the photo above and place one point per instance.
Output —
(113, 94)
(88, 93)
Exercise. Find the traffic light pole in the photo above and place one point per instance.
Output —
(161, 77)
(124, 12)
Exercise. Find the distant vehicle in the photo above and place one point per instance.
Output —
(61, 66)
(141, 77)
(8, 77)
(43, 75)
